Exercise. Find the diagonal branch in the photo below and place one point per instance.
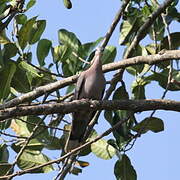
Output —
(94, 105)
(106, 133)
(150, 59)
(143, 30)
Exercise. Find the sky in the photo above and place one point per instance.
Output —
(154, 156)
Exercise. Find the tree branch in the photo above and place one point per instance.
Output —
(106, 133)
(114, 24)
(94, 105)
(143, 30)
(150, 59)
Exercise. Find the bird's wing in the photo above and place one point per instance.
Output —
(79, 86)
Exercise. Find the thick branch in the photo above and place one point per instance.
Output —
(151, 59)
(78, 105)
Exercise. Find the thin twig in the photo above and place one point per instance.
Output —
(106, 133)
(25, 145)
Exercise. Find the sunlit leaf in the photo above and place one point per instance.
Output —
(102, 149)
(67, 4)
(61, 53)
(69, 39)
(37, 30)
(29, 159)
(24, 32)
(30, 4)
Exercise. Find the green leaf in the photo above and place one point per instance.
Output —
(138, 88)
(102, 149)
(20, 81)
(61, 53)
(6, 76)
(37, 30)
(153, 124)
(43, 48)
(67, 4)
(5, 124)
(30, 4)
(175, 41)
(5, 167)
(157, 30)
(3, 38)
(10, 50)
(109, 54)
(120, 93)
(108, 115)
(76, 171)
(4, 153)
(123, 169)
(162, 79)
(19, 127)
(69, 39)
(87, 48)
(126, 31)
(28, 68)
(29, 159)
(24, 33)
(5, 13)
(21, 18)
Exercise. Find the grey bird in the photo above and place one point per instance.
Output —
(90, 85)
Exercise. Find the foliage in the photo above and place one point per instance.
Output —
(20, 74)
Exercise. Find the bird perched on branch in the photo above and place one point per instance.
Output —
(90, 85)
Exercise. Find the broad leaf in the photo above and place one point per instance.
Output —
(87, 48)
(5, 124)
(61, 53)
(149, 124)
(69, 39)
(21, 18)
(29, 159)
(30, 4)
(102, 149)
(4, 153)
(43, 48)
(37, 30)
(162, 79)
(109, 54)
(3, 38)
(6, 76)
(5, 167)
(10, 50)
(24, 33)
(175, 41)
(67, 4)
(20, 81)
(124, 170)
(138, 88)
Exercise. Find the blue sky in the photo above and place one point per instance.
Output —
(154, 156)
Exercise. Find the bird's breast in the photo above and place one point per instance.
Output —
(94, 86)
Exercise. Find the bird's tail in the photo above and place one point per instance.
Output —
(71, 144)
